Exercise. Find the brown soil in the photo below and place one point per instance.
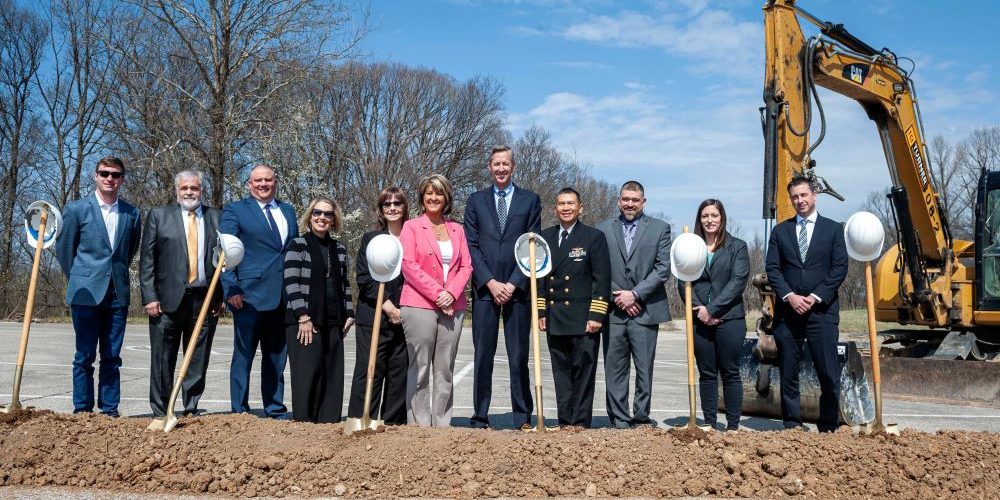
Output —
(240, 455)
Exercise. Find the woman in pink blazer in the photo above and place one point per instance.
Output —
(436, 268)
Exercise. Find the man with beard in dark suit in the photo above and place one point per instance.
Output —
(175, 266)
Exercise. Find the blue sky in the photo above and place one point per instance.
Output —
(667, 92)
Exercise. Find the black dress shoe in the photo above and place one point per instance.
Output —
(479, 425)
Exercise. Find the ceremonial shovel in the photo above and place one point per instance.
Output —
(352, 424)
(230, 251)
(385, 259)
(687, 261)
(41, 241)
(863, 237)
(168, 422)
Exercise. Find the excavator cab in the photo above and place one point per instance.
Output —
(988, 242)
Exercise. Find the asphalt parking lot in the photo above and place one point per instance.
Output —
(47, 382)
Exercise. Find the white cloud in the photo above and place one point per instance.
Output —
(714, 38)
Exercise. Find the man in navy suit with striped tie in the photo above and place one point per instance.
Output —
(494, 218)
(255, 292)
(806, 263)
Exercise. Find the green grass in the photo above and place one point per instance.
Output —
(851, 321)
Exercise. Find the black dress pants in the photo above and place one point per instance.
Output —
(717, 350)
(317, 373)
(822, 338)
(391, 363)
(169, 332)
(574, 369)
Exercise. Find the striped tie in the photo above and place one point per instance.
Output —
(803, 239)
(502, 209)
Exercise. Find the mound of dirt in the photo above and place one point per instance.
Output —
(241, 455)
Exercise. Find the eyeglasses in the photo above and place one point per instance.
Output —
(388, 204)
(104, 174)
(324, 213)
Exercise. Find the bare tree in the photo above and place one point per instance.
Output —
(22, 37)
(75, 92)
(241, 54)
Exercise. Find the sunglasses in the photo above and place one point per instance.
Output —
(324, 213)
(388, 204)
(104, 174)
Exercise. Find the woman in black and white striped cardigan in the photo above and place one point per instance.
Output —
(320, 311)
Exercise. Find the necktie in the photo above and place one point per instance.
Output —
(192, 247)
(562, 236)
(274, 225)
(629, 233)
(502, 209)
(803, 239)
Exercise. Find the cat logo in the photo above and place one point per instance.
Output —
(856, 73)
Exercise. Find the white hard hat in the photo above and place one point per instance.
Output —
(385, 257)
(688, 254)
(233, 248)
(33, 219)
(522, 254)
(864, 235)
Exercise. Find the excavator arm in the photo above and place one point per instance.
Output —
(915, 278)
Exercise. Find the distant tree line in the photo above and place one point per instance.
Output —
(220, 86)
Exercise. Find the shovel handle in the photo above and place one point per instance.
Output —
(535, 342)
(196, 334)
(373, 353)
(29, 306)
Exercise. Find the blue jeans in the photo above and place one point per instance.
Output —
(98, 327)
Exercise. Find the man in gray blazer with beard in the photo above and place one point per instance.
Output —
(640, 266)
(175, 268)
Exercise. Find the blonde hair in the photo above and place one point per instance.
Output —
(440, 184)
(306, 217)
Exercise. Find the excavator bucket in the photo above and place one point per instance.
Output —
(946, 381)
(762, 386)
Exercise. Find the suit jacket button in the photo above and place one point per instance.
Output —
(551, 290)
(567, 302)
(552, 302)
(567, 277)
(434, 266)
(567, 290)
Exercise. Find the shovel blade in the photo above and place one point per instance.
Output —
(170, 423)
(877, 428)
(157, 424)
(352, 425)
(13, 406)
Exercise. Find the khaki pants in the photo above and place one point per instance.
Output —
(432, 344)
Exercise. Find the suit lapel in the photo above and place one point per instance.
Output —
(616, 230)
(491, 204)
(211, 227)
(431, 237)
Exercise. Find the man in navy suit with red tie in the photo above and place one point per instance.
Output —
(806, 263)
(494, 218)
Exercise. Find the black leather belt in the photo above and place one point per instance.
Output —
(196, 290)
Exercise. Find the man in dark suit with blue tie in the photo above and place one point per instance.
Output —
(255, 293)
(99, 239)
(806, 263)
(494, 218)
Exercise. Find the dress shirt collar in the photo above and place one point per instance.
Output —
(569, 230)
(102, 204)
(812, 217)
(621, 218)
(509, 190)
(263, 206)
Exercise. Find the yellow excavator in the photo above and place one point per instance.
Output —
(928, 279)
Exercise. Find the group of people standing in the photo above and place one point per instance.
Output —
(291, 297)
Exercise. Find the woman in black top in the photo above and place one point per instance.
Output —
(319, 313)
(719, 326)
(391, 210)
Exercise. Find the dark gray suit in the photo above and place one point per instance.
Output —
(643, 269)
(163, 269)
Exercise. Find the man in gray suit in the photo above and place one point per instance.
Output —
(99, 239)
(175, 266)
(640, 266)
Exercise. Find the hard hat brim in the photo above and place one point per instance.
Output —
(397, 267)
(522, 253)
